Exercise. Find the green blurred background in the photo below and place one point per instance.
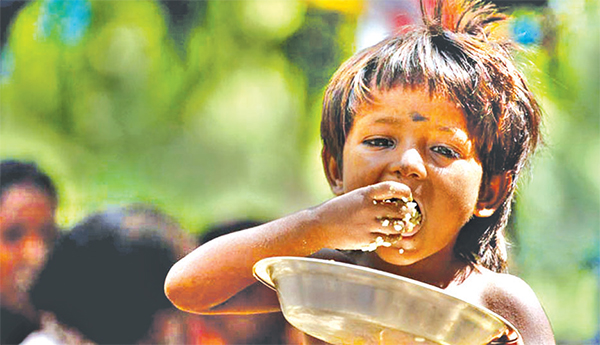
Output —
(210, 110)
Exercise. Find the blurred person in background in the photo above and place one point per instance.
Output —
(28, 201)
(103, 283)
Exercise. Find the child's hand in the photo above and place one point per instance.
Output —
(508, 338)
(365, 217)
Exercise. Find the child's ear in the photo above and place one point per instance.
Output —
(493, 195)
(332, 172)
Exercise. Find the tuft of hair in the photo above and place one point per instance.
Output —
(471, 17)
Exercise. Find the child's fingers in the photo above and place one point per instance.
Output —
(387, 190)
(388, 231)
(392, 208)
(381, 239)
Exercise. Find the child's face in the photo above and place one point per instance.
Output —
(422, 142)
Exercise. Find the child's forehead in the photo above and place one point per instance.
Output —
(416, 103)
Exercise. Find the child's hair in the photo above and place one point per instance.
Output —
(14, 172)
(454, 53)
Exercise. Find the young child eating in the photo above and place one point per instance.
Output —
(424, 137)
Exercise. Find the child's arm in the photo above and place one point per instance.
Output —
(512, 298)
(217, 276)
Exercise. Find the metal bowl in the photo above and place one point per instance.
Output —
(348, 304)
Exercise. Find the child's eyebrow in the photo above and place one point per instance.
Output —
(458, 133)
(415, 116)
(447, 129)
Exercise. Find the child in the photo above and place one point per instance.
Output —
(438, 114)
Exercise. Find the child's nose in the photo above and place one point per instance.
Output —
(410, 164)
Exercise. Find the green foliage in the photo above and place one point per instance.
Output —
(557, 215)
(210, 116)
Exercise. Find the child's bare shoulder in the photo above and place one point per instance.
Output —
(507, 292)
(512, 298)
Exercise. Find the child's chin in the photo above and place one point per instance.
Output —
(397, 256)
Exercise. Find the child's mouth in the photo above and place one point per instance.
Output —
(410, 216)
(406, 224)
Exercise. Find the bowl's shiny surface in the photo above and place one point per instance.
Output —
(347, 304)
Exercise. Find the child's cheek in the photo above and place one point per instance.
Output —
(465, 183)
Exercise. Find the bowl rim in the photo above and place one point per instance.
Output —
(260, 272)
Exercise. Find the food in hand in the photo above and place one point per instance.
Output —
(408, 218)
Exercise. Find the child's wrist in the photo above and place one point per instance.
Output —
(313, 232)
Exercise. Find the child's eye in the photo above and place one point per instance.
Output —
(379, 142)
(445, 151)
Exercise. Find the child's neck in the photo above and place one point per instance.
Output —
(436, 270)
